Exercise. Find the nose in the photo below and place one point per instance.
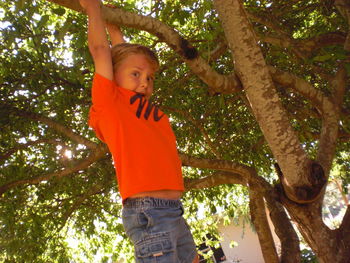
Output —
(143, 82)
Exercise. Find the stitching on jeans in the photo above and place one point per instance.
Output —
(154, 245)
(150, 222)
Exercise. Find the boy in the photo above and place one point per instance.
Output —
(142, 144)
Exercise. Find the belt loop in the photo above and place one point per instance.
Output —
(151, 202)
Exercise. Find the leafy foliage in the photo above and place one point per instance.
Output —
(46, 69)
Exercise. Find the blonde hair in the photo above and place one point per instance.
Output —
(123, 50)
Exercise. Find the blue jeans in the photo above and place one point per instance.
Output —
(158, 230)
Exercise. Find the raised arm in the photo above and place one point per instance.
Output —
(97, 39)
(115, 33)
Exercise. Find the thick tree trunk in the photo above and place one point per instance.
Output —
(303, 180)
(259, 219)
(328, 245)
(254, 74)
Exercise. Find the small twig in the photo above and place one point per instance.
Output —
(200, 127)
(81, 165)
(5, 155)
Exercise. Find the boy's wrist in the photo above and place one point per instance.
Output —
(93, 11)
(91, 6)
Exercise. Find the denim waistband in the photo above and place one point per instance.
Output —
(151, 202)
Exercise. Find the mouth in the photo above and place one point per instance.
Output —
(140, 91)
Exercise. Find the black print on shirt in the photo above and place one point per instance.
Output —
(150, 107)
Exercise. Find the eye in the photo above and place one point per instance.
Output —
(150, 79)
(135, 74)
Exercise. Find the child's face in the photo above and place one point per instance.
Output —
(135, 73)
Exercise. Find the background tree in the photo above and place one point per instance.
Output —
(258, 94)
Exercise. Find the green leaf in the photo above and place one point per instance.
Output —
(59, 11)
(20, 4)
(63, 30)
(37, 77)
(347, 68)
(322, 58)
(43, 20)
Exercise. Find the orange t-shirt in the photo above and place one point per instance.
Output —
(139, 137)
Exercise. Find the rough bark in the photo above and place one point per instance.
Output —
(344, 8)
(290, 250)
(259, 219)
(303, 179)
(328, 245)
(218, 178)
(304, 88)
(330, 122)
(250, 66)
(344, 232)
(222, 165)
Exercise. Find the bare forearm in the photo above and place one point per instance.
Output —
(97, 37)
(115, 33)
(114, 30)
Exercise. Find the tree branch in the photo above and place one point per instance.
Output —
(330, 123)
(284, 40)
(218, 178)
(320, 41)
(329, 108)
(221, 165)
(304, 48)
(259, 218)
(269, 22)
(251, 67)
(344, 8)
(283, 227)
(95, 155)
(290, 250)
(288, 80)
(215, 81)
(79, 201)
(71, 4)
(345, 225)
(219, 50)
(199, 126)
(21, 146)
(300, 47)
(341, 191)
(54, 125)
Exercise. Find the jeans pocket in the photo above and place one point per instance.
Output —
(157, 245)
(130, 220)
(135, 224)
